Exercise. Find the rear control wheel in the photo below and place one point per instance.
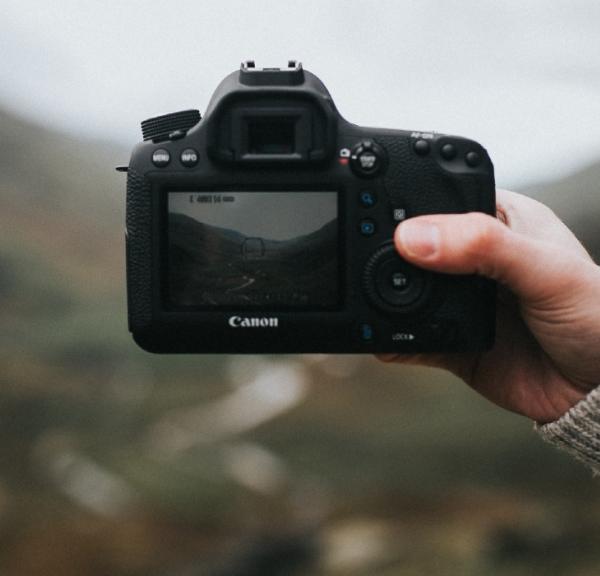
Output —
(392, 284)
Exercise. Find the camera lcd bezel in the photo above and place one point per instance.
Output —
(160, 193)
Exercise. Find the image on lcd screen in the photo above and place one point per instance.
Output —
(253, 249)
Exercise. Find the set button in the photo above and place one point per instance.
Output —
(392, 284)
(397, 282)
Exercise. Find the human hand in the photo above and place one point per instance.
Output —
(547, 352)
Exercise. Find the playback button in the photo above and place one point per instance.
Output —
(367, 227)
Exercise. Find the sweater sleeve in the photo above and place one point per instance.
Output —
(578, 431)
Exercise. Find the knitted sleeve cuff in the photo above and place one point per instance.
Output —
(578, 431)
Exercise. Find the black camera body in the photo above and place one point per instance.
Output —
(266, 227)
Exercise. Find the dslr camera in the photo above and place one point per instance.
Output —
(266, 227)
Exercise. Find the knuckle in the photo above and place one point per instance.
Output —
(482, 233)
(484, 237)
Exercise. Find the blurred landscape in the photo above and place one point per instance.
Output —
(259, 271)
(114, 461)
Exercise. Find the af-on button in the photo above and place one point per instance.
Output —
(421, 147)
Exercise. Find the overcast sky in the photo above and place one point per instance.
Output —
(522, 77)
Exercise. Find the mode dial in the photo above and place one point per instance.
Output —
(160, 127)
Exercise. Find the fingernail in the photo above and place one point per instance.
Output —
(419, 239)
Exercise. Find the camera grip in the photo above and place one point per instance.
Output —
(139, 245)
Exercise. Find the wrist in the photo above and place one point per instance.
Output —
(578, 430)
(559, 402)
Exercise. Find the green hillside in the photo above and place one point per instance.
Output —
(114, 461)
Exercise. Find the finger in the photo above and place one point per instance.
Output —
(476, 243)
(527, 216)
(459, 364)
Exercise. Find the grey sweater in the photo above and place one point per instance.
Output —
(578, 431)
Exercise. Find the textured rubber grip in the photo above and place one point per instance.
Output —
(139, 250)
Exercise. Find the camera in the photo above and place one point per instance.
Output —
(266, 227)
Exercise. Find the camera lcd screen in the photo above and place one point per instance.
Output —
(253, 249)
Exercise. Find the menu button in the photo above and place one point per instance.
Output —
(161, 158)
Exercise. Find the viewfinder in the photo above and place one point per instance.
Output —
(271, 135)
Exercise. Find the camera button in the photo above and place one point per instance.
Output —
(367, 159)
(399, 281)
(367, 227)
(399, 214)
(161, 158)
(473, 159)
(366, 332)
(189, 157)
(421, 147)
(368, 199)
(392, 284)
(448, 151)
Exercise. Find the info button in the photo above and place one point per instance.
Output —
(189, 157)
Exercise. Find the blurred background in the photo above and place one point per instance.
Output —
(114, 461)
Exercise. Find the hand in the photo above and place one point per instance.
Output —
(547, 352)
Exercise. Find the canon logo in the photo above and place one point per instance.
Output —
(239, 322)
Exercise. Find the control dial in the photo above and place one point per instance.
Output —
(392, 284)
(160, 127)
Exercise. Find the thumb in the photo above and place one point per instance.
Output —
(477, 243)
